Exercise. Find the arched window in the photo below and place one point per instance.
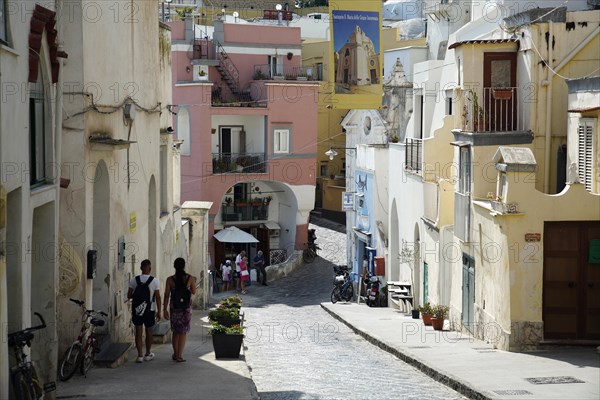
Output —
(39, 131)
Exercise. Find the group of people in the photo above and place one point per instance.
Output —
(241, 275)
(144, 291)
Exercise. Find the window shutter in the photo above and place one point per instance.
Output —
(585, 155)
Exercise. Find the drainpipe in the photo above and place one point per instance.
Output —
(548, 84)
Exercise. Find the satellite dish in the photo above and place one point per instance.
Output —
(278, 7)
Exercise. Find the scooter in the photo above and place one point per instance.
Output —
(372, 293)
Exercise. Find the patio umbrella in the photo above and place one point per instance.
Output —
(233, 234)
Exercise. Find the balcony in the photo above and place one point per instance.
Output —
(239, 162)
(492, 116)
(246, 210)
(264, 72)
(413, 155)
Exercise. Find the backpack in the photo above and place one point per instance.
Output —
(181, 295)
(141, 297)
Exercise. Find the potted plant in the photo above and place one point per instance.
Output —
(394, 138)
(439, 314)
(231, 302)
(227, 340)
(502, 93)
(225, 316)
(202, 75)
(427, 312)
(415, 313)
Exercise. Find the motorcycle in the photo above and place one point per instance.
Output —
(373, 296)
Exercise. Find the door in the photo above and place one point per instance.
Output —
(499, 83)
(225, 141)
(571, 293)
(468, 291)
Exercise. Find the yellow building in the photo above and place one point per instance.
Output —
(517, 259)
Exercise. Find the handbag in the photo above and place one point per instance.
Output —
(245, 272)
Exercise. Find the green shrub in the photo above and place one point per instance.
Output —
(426, 309)
(217, 329)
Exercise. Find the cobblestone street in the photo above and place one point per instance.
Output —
(295, 350)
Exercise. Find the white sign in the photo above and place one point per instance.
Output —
(347, 201)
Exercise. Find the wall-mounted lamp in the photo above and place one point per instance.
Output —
(331, 153)
(188, 69)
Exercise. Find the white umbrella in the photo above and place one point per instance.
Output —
(233, 234)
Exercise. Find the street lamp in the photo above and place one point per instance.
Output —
(331, 153)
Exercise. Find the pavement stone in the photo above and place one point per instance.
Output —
(471, 366)
(201, 377)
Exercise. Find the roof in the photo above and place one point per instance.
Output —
(482, 41)
(272, 225)
(514, 159)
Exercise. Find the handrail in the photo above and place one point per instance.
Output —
(229, 68)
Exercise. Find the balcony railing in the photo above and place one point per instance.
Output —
(245, 211)
(285, 72)
(238, 162)
(494, 110)
(413, 156)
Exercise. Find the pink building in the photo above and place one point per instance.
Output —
(246, 110)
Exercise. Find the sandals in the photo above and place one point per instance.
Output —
(179, 360)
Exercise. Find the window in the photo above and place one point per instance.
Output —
(3, 23)
(37, 132)
(585, 153)
(163, 180)
(464, 171)
(183, 131)
(449, 101)
(281, 141)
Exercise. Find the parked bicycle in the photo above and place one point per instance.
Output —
(82, 351)
(343, 288)
(26, 384)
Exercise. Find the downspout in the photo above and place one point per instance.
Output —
(548, 84)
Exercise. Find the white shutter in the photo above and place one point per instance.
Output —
(585, 153)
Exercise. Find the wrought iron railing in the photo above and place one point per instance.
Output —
(238, 162)
(493, 110)
(285, 72)
(277, 256)
(413, 155)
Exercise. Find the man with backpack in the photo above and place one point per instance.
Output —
(144, 291)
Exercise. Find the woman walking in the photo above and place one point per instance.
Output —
(244, 274)
(178, 306)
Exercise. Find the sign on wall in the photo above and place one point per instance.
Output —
(347, 201)
(356, 65)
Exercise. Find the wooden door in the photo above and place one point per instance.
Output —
(499, 91)
(571, 293)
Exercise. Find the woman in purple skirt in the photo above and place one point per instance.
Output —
(179, 289)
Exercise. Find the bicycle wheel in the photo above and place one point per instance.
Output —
(308, 256)
(88, 360)
(349, 293)
(26, 385)
(335, 294)
(70, 362)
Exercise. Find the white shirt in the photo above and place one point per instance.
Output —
(226, 268)
(238, 261)
(153, 286)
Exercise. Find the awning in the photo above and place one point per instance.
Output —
(272, 225)
(362, 235)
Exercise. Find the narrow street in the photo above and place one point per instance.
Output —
(295, 350)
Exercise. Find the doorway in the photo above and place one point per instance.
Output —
(101, 240)
(468, 291)
(499, 82)
(571, 293)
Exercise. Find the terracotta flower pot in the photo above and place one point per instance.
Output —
(427, 318)
(437, 323)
